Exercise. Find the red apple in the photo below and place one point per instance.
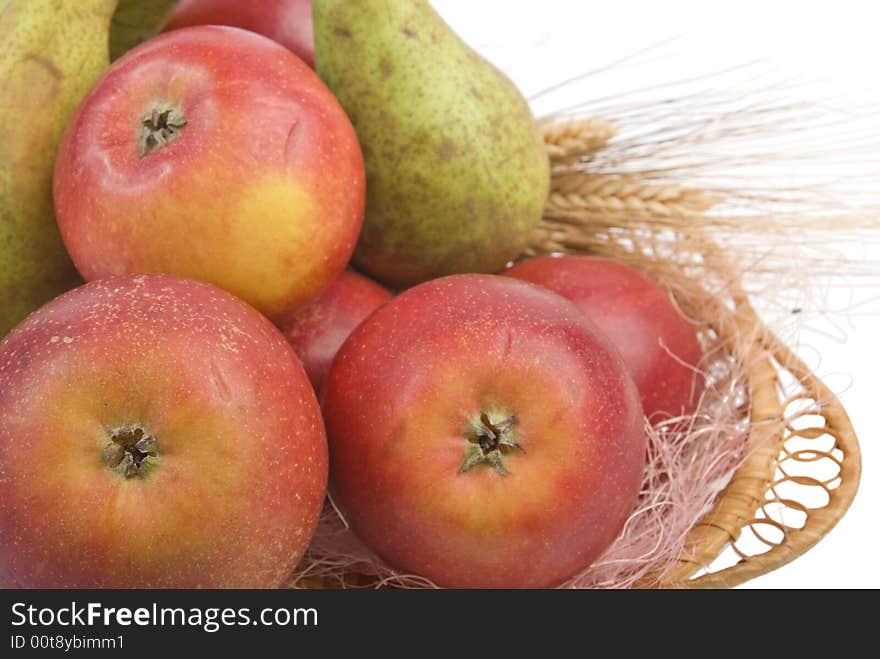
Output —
(483, 433)
(317, 330)
(154, 432)
(289, 22)
(659, 344)
(212, 153)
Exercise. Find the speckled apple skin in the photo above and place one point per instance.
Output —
(317, 330)
(241, 476)
(399, 398)
(289, 22)
(657, 342)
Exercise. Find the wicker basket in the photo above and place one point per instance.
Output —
(799, 478)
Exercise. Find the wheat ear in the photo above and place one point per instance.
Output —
(603, 194)
(572, 139)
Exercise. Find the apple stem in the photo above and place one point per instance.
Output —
(161, 125)
(487, 442)
(131, 452)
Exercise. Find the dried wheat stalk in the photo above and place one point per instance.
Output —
(602, 194)
(569, 140)
(580, 199)
(675, 167)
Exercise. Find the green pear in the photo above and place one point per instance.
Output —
(51, 53)
(135, 21)
(457, 174)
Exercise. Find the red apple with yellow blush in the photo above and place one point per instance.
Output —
(216, 154)
(483, 433)
(155, 432)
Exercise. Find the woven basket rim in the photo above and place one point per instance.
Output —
(736, 506)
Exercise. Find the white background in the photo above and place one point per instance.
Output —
(833, 48)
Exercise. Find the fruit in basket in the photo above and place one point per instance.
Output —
(51, 54)
(289, 22)
(213, 153)
(318, 329)
(154, 432)
(657, 342)
(483, 433)
(457, 174)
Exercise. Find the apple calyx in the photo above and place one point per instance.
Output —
(131, 452)
(158, 127)
(488, 441)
